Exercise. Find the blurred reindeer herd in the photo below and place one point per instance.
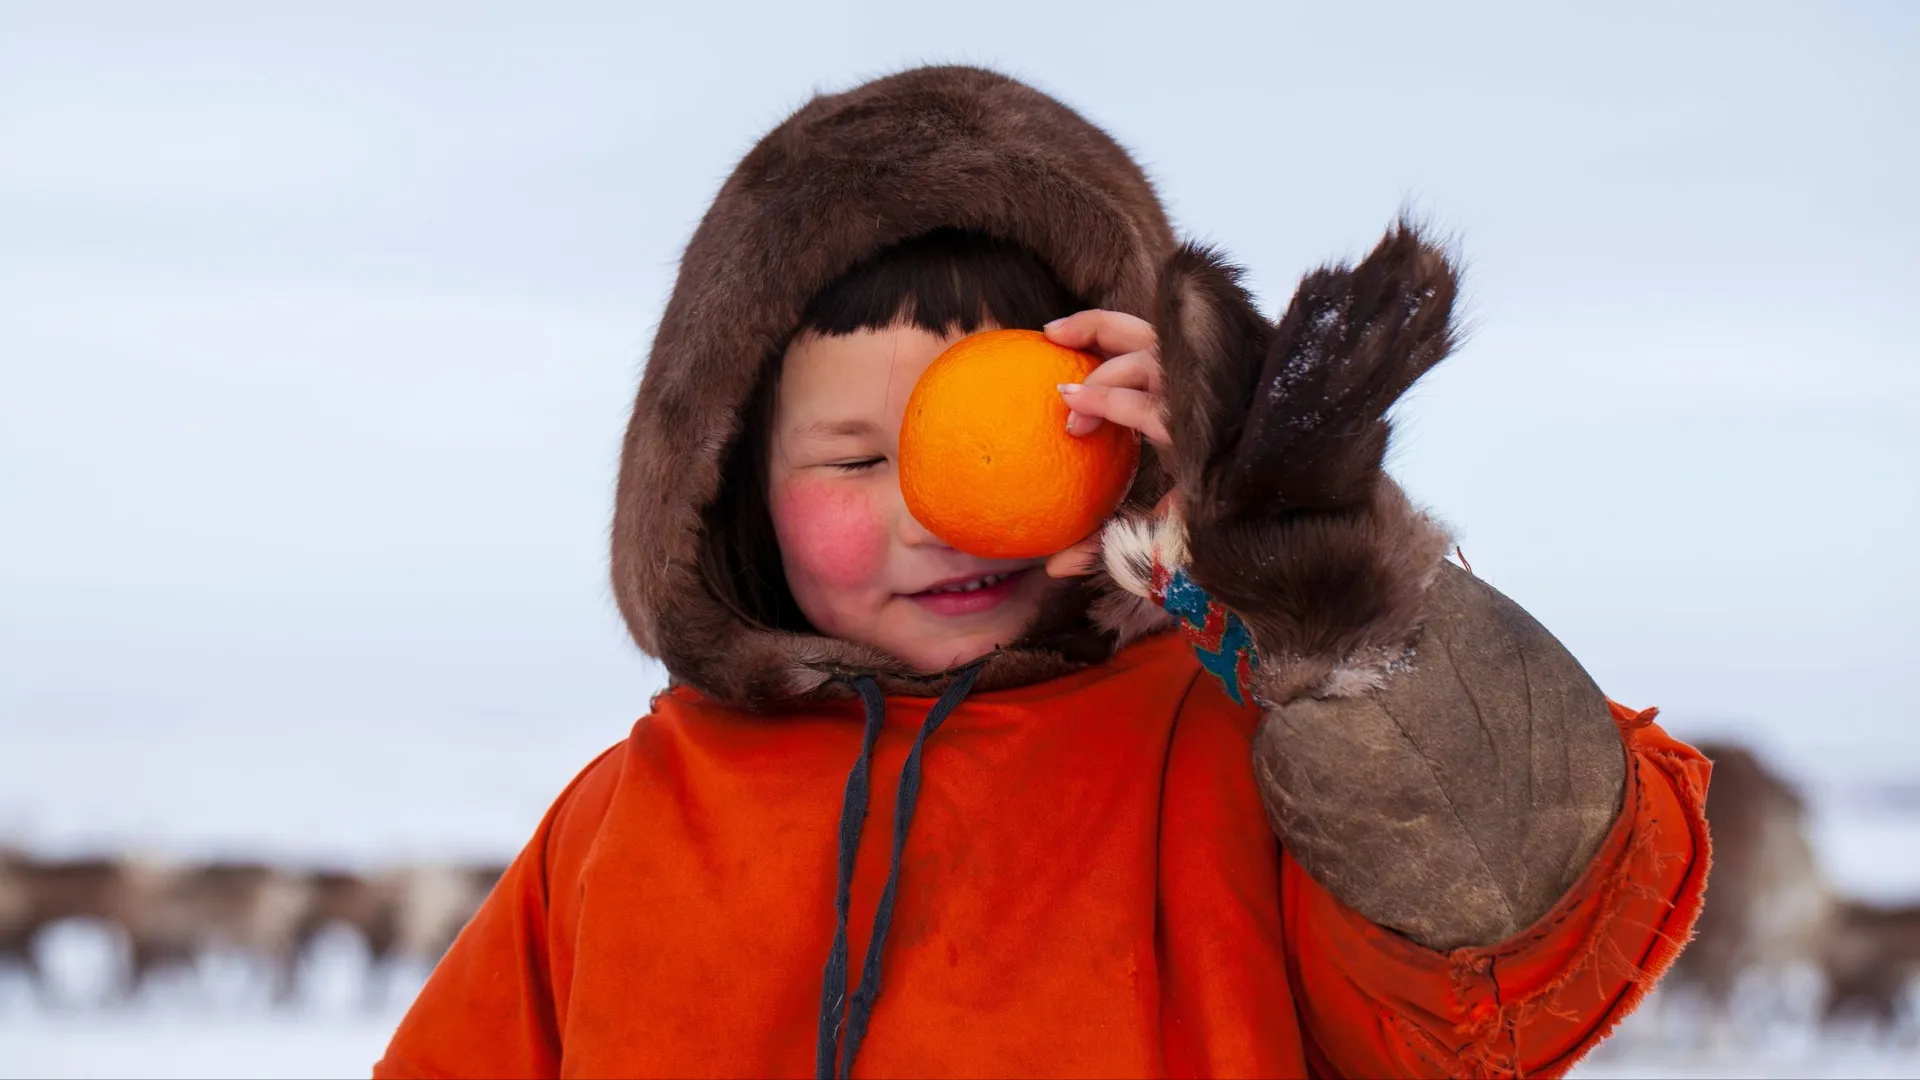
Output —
(1773, 919)
(168, 918)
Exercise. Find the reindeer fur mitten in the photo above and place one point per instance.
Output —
(1430, 754)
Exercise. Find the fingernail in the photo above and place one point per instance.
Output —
(1054, 323)
(1070, 387)
(1071, 418)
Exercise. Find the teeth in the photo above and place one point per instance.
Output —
(973, 586)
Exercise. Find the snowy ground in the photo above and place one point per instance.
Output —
(162, 1046)
(179, 1039)
(358, 794)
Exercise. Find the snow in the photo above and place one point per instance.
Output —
(182, 1046)
(192, 1039)
(359, 794)
(217, 1026)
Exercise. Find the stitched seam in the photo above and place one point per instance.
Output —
(1480, 720)
(1627, 847)
(1434, 774)
(1526, 679)
(1479, 715)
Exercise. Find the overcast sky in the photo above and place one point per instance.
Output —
(319, 323)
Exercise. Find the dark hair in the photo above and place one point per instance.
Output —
(945, 281)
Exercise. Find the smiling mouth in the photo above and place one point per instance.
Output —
(985, 581)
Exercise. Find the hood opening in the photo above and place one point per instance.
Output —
(944, 281)
(955, 152)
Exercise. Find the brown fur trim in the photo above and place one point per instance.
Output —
(845, 176)
(1279, 432)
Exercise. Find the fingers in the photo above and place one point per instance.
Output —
(1089, 403)
(1126, 388)
(1135, 371)
(1108, 333)
(1077, 561)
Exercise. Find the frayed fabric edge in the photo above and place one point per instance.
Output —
(1493, 1034)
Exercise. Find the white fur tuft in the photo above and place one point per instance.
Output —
(1132, 546)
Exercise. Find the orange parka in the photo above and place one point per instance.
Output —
(1091, 889)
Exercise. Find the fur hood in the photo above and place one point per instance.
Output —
(842, 178)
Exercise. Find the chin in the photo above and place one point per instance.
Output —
(970, 648)
(948, 657)
(940, 648)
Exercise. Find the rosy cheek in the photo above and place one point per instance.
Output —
(829, 532)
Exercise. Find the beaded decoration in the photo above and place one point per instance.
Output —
(1217, 635)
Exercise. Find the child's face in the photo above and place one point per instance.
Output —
(860, 567)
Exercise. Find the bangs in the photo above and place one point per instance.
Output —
(946, 281)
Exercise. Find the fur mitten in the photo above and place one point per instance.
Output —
(1452, 801)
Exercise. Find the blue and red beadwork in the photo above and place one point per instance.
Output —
(1217, 635)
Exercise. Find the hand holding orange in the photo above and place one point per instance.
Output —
(986, 461)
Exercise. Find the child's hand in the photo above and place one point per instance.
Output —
(1125, 389)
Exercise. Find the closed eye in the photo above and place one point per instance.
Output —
(857, 466)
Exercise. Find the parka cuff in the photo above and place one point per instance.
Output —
(1534, 1003)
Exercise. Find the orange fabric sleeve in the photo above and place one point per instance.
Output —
(1374, 1003)
(496, 1003)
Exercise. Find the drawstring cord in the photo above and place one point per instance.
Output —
(832, 1059)
(853, 814)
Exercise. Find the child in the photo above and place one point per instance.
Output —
(903, 811)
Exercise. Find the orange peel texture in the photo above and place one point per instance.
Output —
(986, 463)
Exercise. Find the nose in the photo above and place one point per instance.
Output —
(915, 535)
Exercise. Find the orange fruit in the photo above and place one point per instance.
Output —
(986, 463)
